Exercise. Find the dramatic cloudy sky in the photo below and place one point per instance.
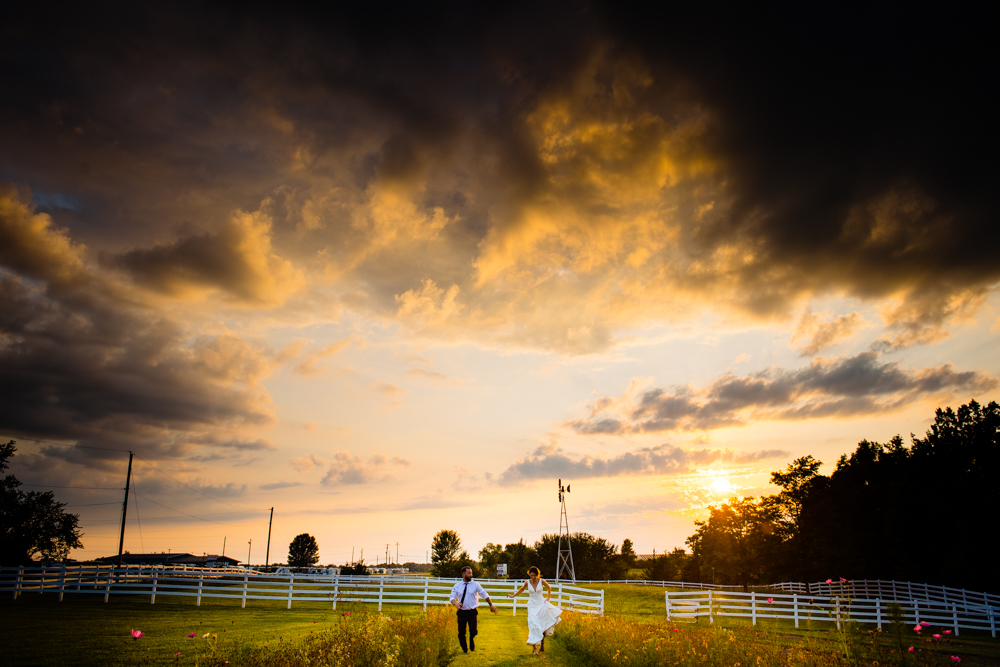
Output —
(392, 272)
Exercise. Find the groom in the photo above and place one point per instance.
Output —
(465, 596)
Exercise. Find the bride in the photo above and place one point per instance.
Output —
(542, 614)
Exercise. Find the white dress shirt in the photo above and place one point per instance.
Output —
(472, 592)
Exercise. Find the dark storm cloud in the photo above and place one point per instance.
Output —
(851, 154)
(547, 462)
(850, 386)
(82, 361)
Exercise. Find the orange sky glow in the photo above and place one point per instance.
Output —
(395, 284)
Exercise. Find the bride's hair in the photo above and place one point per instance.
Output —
(534, 570)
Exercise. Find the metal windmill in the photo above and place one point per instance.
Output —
(564, 559)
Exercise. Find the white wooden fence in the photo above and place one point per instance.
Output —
(954, 616)
(249, 585)
(860, 588)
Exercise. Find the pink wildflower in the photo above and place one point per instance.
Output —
(177, 655)
(925, 624)
(911, 649)
(770, 600)
(676, 630)
(843, 581)
(314, 621)
(191, 636)
(936, 636)
(947, 632)
(917, 628)
(136, 634)
(829, 581)
(955, 658)
(347, 613)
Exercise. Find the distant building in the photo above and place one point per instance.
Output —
(208, 560)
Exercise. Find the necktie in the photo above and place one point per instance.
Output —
(464, 591)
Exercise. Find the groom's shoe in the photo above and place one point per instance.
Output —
(541, 649)
(472, 644)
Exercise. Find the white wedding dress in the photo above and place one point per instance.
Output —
(542, 615)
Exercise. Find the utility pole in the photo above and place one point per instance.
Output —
(249, 547)
(128, 482)
(223, 546)
(397, 554)
(267, 555)
(352, 556)
(387, 555)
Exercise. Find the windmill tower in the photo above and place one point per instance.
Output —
(564, 559)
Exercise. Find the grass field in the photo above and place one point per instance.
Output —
(83, 630)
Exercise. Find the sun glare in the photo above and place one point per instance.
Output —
(721, 486)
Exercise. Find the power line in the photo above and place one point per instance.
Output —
(92, 504)
(178, 511)
(61, 444)
(92, 488)
(137, 521)
(192, 488)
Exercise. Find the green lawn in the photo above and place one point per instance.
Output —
(83, 630)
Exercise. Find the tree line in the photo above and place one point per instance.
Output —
(593, 557)
(919, 513)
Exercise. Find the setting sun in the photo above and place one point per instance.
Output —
(722, 486)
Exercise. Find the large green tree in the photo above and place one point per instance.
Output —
(303, 551)
(593, 557)
(447, 557)
(32, 524)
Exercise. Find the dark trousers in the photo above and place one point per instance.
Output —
(467, 617)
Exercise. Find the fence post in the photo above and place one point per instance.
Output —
(513, 610)
(795, 608)
(291, 584)
(993, 621)
(62, 582)
(602, 603)
(560, 594)
(201, 578)
(711, 616)
(878, 612)
(152, 599)
(17, 581)
(667, 600)
(381, 587)
(838, 612)
(916, 609)
(107, 586)
(336, 590)
(246, 579)
(954, 617)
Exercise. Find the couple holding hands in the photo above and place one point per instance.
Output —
(542, 614)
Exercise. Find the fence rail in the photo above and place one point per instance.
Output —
(859, 588)
(955, 616)
(247, 585)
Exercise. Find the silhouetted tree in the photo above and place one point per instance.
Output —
(303, 551)
(32, 523)
(886, 512)
(738, 541)
(593, 557)
(667, 567)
